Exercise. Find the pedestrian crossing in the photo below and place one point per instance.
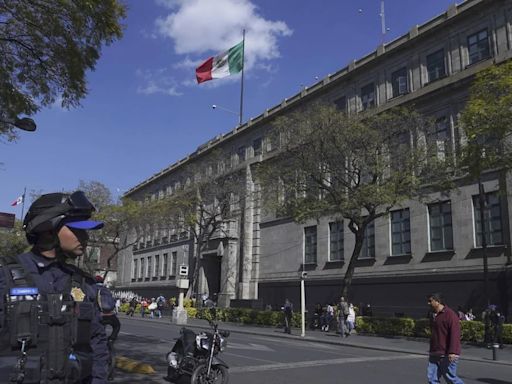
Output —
(318, 363)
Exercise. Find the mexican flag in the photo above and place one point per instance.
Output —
(225, 64)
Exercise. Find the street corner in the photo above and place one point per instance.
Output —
(133, 366)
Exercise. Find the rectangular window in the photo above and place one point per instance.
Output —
(310, 239)
(492, 219)
(241, 153)
(440, 137)
(134, 272)
(141, 271)
(400, 232)
(336, 241)
(440, 223)
(257, 146)
(478, 47)
(368, 248)
(166, 265)
(368, 96)
(149, 271)
(174, 260)
(435, 66)
(399, 82)
(341, 104)
(157, 265)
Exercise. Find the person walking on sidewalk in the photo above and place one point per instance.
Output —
(288, 314)
(444, 342)
(342, 317)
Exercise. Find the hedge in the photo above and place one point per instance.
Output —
(471, 331)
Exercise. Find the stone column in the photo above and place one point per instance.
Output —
(248, 213)
(228, 274)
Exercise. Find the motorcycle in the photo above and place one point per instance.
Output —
(195, 355)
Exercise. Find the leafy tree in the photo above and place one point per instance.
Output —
(126, 223)
(487, 120)
(13, 241)
(46, 49)
(357, 167)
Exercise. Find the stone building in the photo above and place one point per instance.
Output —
(418, 248)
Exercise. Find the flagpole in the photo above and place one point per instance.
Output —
(23, 202)
(240, 117)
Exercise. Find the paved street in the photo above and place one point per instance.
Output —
(268, 357)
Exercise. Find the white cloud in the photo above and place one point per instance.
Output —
(157, 81)
(205, 27)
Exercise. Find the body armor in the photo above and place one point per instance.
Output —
(45, 337)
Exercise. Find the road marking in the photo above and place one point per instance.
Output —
(249, 347)
(249, 357)
(318, 363)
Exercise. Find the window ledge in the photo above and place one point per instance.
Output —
(308, 266)
(491, 251)
(433, 256)
(478, 62)
(398, 259)
(334, 264)
(366, 262)
(436, 80)
(399, 96)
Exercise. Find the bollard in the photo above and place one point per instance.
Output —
(495, 351)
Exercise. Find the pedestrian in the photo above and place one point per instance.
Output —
(288, 314)
(143, 306)
(469, 315)
(153, 307)
(351, 318)
(109, 318)
(118, 305)
(132, 307)
(160, 303)
(342, 317)
(44, 300)
(445, 346)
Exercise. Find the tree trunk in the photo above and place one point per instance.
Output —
(347, 279)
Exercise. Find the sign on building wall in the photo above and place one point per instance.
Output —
(183, 270)
(7, 220)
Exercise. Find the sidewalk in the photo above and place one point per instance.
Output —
(381, 343)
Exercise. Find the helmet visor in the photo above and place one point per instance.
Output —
(84, 224)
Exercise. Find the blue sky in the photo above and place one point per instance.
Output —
(144, 110)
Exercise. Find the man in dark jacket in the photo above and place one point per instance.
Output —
(55, 226)
(444, 342)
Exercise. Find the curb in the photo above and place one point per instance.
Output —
(238, 329)
(133, 366)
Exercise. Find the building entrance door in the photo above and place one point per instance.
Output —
(212, 270)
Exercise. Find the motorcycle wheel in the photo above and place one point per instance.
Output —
(218, 375)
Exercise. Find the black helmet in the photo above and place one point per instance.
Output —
(53, 210)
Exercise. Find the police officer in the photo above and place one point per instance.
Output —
(50, 330)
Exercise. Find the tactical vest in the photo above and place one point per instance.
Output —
(45, 338)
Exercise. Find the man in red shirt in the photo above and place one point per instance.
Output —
(444, 342)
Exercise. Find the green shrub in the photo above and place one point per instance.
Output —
(472, 331)
(422, 328)
(507, 333)
(392, 326)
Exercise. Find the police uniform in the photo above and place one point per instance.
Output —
(47, 277)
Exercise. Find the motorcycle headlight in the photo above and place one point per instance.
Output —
(202, 342)
(223, 344)
(172, 359)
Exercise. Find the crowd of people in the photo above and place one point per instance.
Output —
(153, 307)
(327, 317)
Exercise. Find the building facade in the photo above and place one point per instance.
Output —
(419, 248)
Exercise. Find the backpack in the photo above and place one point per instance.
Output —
(105, 299)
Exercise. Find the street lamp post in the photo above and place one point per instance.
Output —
(481, 198)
